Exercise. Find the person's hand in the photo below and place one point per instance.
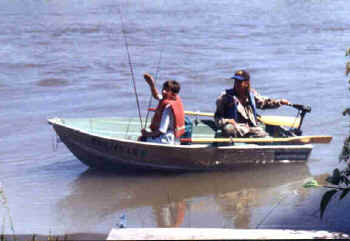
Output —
(149, 79)
(143, 132)
(232, 122)
(284, 102)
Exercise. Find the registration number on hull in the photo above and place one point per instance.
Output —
(291, 155)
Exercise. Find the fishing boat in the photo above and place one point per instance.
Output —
(112, 143)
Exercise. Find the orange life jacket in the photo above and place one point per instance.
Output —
(179, 115)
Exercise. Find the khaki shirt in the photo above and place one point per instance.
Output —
(245, 111)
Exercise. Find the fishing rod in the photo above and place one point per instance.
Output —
(130, 64)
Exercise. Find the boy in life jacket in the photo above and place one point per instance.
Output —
(236, 108)
(168, 122)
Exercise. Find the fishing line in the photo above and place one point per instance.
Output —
(130, 64)
(127, 128)
(157, 78)
(273, 208)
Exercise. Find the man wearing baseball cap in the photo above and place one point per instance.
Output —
(236, 108)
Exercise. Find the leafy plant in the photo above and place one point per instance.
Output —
(311, 184)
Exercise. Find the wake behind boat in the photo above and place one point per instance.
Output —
(111, 143)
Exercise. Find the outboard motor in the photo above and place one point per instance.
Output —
(302, 110)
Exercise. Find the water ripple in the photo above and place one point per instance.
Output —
(52, 82)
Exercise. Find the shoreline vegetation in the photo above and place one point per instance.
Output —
(339, 181)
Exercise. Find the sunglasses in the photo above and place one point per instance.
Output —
(241, 80)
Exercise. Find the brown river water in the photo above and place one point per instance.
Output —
(68, 59)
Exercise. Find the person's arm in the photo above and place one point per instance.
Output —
(263, 102)
(151, 82)
(146, 133)
(219, 113)
(163, 127)
(165, 120)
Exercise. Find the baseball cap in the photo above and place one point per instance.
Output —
(241, 75)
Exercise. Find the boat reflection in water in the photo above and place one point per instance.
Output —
(214, 199)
